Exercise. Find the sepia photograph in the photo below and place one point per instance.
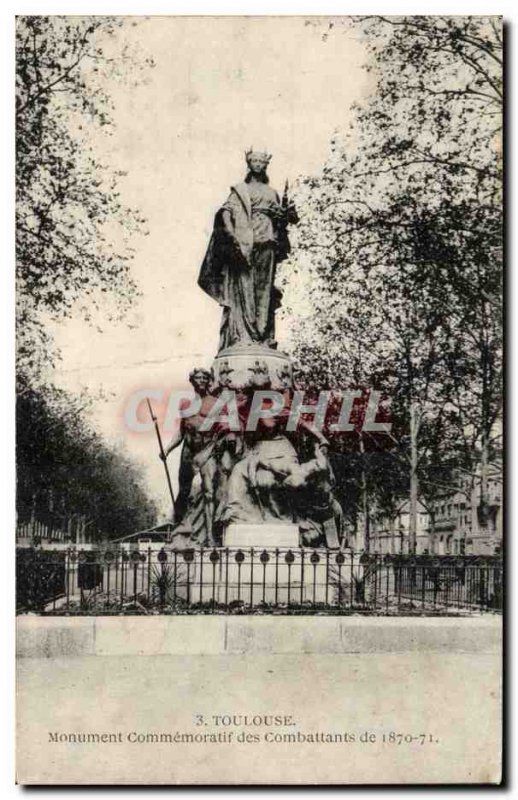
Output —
(259, 400)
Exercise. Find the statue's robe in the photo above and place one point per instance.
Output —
(242, 279)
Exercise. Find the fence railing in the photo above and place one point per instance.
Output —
(248, 580)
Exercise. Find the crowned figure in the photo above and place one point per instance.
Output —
(248, 241)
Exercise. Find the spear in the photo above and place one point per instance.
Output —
(162, 455)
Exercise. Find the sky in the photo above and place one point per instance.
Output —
(219, 85)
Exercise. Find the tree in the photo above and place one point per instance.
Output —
(402, 243)
(67, 476)
(66, 200)
(73, 237)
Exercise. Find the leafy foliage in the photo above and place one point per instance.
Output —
(401, 249)
(73, 244)
(68, 206)
(66, 472)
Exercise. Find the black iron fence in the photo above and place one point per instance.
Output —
(154, 579)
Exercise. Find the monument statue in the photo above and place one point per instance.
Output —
(248, 241)
(266, 477)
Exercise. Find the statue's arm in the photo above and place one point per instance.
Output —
(228, 211)
(176, 440)
(311, 428)
(227, 222)
(228, 225)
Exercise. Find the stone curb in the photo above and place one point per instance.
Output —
(53, 637)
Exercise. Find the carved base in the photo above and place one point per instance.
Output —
(253, 366)
(258, 481)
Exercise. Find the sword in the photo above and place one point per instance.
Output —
(290, 213)
(285, 201)
(163, 456)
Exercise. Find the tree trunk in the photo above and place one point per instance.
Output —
(431, 534)
(32, 521)
(414, 482)
(484, 494)
(364, 500)
(474, 501)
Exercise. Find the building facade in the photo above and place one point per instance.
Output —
(455, 523)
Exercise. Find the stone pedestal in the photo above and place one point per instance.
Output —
(261, 535)
(256, 571)
(275, 576)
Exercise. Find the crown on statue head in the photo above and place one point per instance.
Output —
(261, 155)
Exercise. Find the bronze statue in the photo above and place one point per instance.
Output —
(197, 454)
(257, 476)
(249, 240)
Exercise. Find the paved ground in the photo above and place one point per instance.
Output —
(452, 699)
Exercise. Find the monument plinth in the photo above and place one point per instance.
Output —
(265, 535)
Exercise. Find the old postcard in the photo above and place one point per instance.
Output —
(259, 400)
